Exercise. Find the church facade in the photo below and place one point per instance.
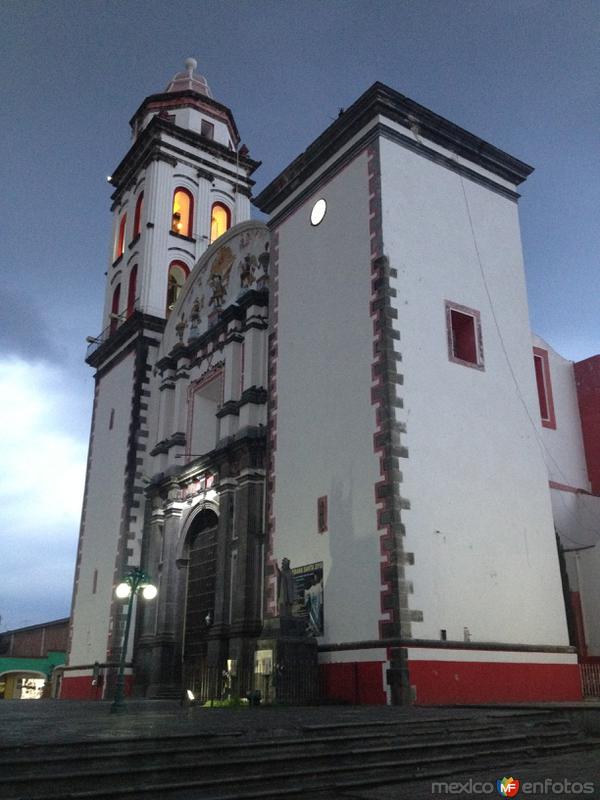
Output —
(349, 387)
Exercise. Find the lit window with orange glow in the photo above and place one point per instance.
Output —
(183, 212)
(137, 218)
(178, 273)
(120, 243)
(220, 221)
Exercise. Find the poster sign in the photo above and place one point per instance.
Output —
(309, 590)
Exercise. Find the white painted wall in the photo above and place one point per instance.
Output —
(105, 485)
(325, 420)
(480, 522)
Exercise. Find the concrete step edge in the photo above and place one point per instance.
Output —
(145, 790)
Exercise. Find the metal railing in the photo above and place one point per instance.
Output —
(117, 320)
(294, 685)
(590, 679)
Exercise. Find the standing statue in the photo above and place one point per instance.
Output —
(286, 589)
(264, 259)
(219, 290)
(180, 328)
(247, 269)
(195, 317)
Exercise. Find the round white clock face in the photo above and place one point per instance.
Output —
(318, 212)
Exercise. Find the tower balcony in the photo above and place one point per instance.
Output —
(121, 328)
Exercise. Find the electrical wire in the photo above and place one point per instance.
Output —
(540, 442)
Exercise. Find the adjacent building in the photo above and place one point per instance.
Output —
(30, 659)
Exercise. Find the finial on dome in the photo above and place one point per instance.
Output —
(189, 79)
(190, 64)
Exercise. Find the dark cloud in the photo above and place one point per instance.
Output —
(25, 332)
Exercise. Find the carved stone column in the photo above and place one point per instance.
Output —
(165, 678)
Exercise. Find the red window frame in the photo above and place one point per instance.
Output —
(114, 314)
(541, 365)
(131, 290)
(227, 211)
(120, 249)
(465, 342)
(186, 229)
(180, 265)
(137, 217)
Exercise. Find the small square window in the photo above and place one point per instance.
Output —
(465, 344)
(544, 387)
(207, 129)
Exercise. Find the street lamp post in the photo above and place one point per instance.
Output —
(137, 581)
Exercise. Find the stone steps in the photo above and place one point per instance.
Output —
(322, 757)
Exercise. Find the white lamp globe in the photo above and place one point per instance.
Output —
(149, 591)
(123, 590)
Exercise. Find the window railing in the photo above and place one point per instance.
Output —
(94, 342)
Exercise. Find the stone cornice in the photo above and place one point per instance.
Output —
(187, 97)
(129, 330)
(234, 312)
(381, 100)
(175, 440)
(151, 145)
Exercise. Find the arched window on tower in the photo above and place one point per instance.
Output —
(114, 309)
(183, 212)
(131, 290)
(220, 221)
(120, 243)
(137, 217)
(178, 273)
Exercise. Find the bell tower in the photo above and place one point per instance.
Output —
(184, 181)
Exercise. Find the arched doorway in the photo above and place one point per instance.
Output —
(200, 603)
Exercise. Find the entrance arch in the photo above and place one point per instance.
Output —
(201, 559)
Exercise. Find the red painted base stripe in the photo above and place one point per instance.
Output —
(354, 682)
(81, 688)
(493, 682)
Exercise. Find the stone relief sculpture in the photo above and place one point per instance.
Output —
(211, 288)
(197, 307)
(264, 259)
(222, 263)
(218, 291)
(180, 328)
(247, 269)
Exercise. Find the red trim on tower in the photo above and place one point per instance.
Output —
(137, 217)
(131, 290)
(116, 301)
